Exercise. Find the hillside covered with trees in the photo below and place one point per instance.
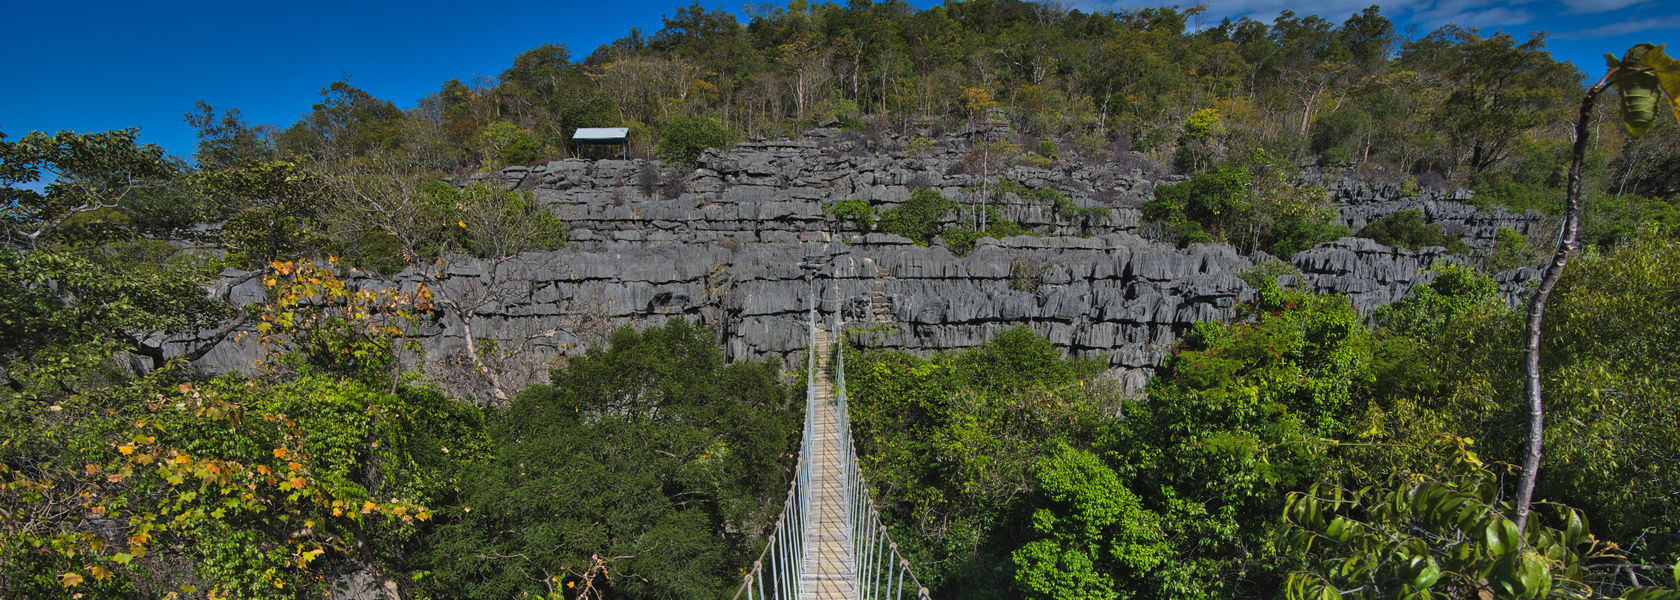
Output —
(1245, 103)
(1302, 449)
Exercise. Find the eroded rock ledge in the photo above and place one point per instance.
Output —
(740, 242)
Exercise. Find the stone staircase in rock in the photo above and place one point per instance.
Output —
(880, 307)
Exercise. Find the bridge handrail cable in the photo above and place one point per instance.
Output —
(785, 547)
(879, 569)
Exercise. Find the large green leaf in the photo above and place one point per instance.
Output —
(1522, 575)
(1640, 90)
(1667, 71)
(1420, 571)
(1575, 528)
(1536, 575)
(1341, 529)
(1501, 537)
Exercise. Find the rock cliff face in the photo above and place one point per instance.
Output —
(742, 245)
(1359, 204)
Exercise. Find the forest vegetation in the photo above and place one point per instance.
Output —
(1302, 449)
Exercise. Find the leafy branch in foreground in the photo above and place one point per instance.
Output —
(1425, 538)
(1642, 76)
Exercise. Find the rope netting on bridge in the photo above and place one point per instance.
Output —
(829, 541)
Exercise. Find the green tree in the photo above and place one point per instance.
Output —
(1240, 414)
(1454, 292)
(1200, 144)
(1368, 37)
(541, 70)
(66, 313)
(1207, 207)
(88, 172)
(1407, 229)
(650, 454)
(855, 210)
(1287, 218)
(268, 209)
(684, 138)
(1338, 137)
(227, 141)
(77, 292)
(1498, 88)
(1086, 500)
(954, 443)
(347, 121)
(920, 218)
(503, 143)
(1510, 251)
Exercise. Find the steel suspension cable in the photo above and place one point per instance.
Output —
(878, 570)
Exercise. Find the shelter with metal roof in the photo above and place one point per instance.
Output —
(604, 135)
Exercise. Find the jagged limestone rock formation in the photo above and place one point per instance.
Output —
(741, 242)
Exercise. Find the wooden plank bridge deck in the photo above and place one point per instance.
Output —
(828, 541)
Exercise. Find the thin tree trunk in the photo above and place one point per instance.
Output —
(1102, 119)
(1537, 309)
(1306, 111)
(489, 372)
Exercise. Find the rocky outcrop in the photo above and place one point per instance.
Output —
(769, 192)
(1358, 203)
(742, 244)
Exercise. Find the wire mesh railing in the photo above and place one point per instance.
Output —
(779, 568)
(878, 570)
(881, 570)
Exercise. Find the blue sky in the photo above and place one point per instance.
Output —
(1579, 31)
(90, 66)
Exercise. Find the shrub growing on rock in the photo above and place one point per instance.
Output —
(919, 218)
(685, 138)
(1407, 229)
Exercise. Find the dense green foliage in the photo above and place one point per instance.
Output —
(962, 436)
(856, 211)
(1407, 229)
(1300, 450)
(1229, 204)
(1179, 494)
(1510, 250)
(232, 486)
(920, 218)
(686, 137)
(649, 453)
(1205, 208)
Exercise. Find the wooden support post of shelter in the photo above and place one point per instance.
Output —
(604, 135)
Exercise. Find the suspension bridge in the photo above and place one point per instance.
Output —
(829, 542)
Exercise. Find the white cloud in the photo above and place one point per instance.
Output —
(1469, 13)
(1598, 6)
(1624, 28)
(1470, 16)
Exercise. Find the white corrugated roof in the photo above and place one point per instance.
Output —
(601, 133)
